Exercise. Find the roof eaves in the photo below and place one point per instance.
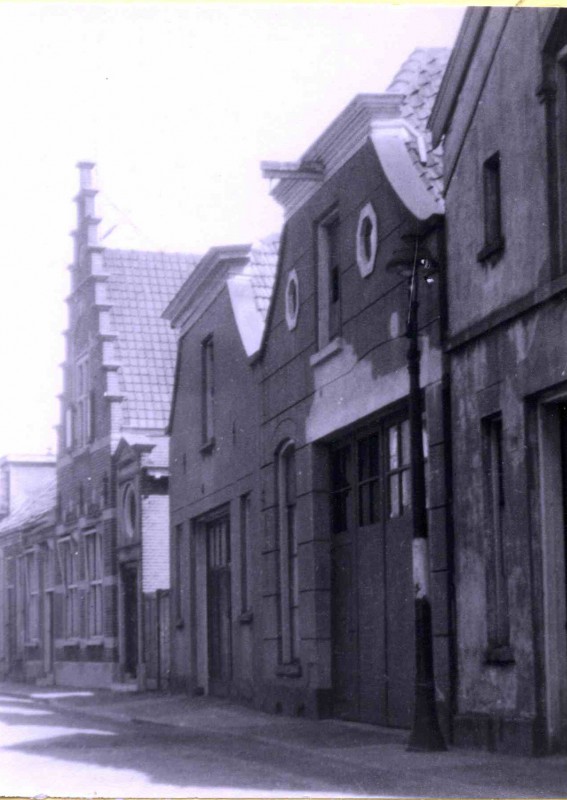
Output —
(456, 72)
(202, 272)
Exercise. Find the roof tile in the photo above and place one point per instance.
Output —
(418, 79)
(141, 284)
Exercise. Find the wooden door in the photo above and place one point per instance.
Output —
(130, 594)
(372, 602)
(400, 605)
(219, 606)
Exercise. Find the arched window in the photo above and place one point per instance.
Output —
(288, 563)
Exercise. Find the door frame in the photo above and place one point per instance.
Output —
(200, 601)
(131, 566)
(351, 436)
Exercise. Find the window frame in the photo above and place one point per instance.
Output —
(245, 526)
(207, 393)
(31, 596)
(94, 575)
(288, 566)
(329, 325)
(83, 400)
(70, 579)
(492, 208)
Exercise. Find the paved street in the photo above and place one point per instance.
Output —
(68, 743)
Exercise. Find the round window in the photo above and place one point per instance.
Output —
(292, 300)
(366, 240)
(130, 511)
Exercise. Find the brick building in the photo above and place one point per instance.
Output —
(215, 444)
(112, 468)
(502, 110)
(337, 591)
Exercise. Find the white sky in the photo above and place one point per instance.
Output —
(177, 103)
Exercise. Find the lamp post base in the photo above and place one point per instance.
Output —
(426, 735)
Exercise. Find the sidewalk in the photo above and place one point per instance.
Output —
(457, 773)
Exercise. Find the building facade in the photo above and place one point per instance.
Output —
(337, 588)
(215, 445)
(112, 465)
(501, 112)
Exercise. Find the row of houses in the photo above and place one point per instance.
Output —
(232, 509)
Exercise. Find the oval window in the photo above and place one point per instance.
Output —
(292, 300)
(366, 240)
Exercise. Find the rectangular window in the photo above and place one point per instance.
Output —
(31, 597)
(244, 537)
(69, 563)
(398, 475)
(493, 239)
(497, 590)
(207, 390)
(329, 280)
(288, 555)
(94, 577)
(368, 480)
(82, 403)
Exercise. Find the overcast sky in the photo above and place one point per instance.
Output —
(177, 104)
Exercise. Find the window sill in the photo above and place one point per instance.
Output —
(246, 618)
(95, 640)
(334, 346)
(289, 670)
(499, 655)
(208, 447)
(491, 250)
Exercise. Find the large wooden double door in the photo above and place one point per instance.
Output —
(219, 606)
(372, 600)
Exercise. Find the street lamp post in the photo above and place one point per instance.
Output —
(426, 733)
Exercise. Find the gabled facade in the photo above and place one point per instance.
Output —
(336, 538)
(501, 111)
(118, 374)
(215, 495)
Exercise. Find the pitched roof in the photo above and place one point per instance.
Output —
(140, 286)
(418, 80)
(261, 271)
(32, 509)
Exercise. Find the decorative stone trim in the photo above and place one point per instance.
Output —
(334, 346)
(366, 240)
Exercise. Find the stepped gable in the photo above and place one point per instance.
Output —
(261, 269)
(33, 509)
(418, 80)
(141, 284)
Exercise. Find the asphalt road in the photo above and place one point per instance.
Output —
(47, 750)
